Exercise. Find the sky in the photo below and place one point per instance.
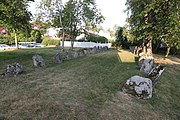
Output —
(112, 10)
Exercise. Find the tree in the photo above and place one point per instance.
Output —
(53, 10)
(15, 15)
(119, 36)
(167, 16)
(79, 15)
(154, 21)
(111, 32)
(140, 22)
(122, 37)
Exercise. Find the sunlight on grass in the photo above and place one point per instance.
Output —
(125, 56)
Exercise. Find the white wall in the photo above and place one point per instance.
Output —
(85, 44)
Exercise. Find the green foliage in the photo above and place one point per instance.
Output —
(43, 25)
(155, 19)
(99, 39)
(78, 15)
(49, 41)
(14, 15)
(121, 38)
(6, 39)
(36, 36)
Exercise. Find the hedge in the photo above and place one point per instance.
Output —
(49, 41)
(100, 39)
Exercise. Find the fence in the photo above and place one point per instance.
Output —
(86, 44)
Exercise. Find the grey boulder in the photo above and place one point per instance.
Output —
(138, 86)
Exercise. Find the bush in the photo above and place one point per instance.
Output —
(49, 41)
(6, 39)
(36, 36)
(100, 39)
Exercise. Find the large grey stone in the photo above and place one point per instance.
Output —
(2, 117)
(38, 61)
(133, 49)
(147, 64)
(75, 54)
(86, 51)
(68, 55)
(156, 72)
(81, 52)
(58, 58)
(94, 50)
(14, 69)
(138, 86)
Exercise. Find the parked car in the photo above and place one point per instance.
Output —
(4, 47)
(35, 45)
(23, 45)
(38, 45)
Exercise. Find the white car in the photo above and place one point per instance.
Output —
(38, 45)
(4, 47)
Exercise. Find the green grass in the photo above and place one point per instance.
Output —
(86, 88)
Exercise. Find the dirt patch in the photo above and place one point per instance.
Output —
(170, 60)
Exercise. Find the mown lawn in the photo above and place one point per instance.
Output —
(87, 88)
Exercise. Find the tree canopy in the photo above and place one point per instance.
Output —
(79, 15)
(156, 20)
(14, 15)
(74, 17)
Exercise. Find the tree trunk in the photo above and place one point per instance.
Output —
(167, 52)
(149, 45)
(144, 49)
(72, 43)
(16, 40)
(61, 25)
(156, 46)
(63, 40)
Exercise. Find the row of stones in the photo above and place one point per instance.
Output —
(142, 87)
(38, 61)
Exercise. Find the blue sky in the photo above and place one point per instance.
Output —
(111, 9)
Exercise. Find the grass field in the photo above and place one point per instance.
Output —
(87, 88)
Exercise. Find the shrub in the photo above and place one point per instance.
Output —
(6, 39)
(36, 36)
(94, 38)
(49, 41)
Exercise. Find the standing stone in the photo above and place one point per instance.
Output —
(14, 69)
(136, 58)
(147, 65)
(133, 49)
(75, 54)
(57, 58)
(38, 61)
(94, 50)
(81, 52)
(68, 55)
(2, 117)
(89, 50)
(139, 87)
(85, 51)
(106, 48)
(140, 61)
(156, 73)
